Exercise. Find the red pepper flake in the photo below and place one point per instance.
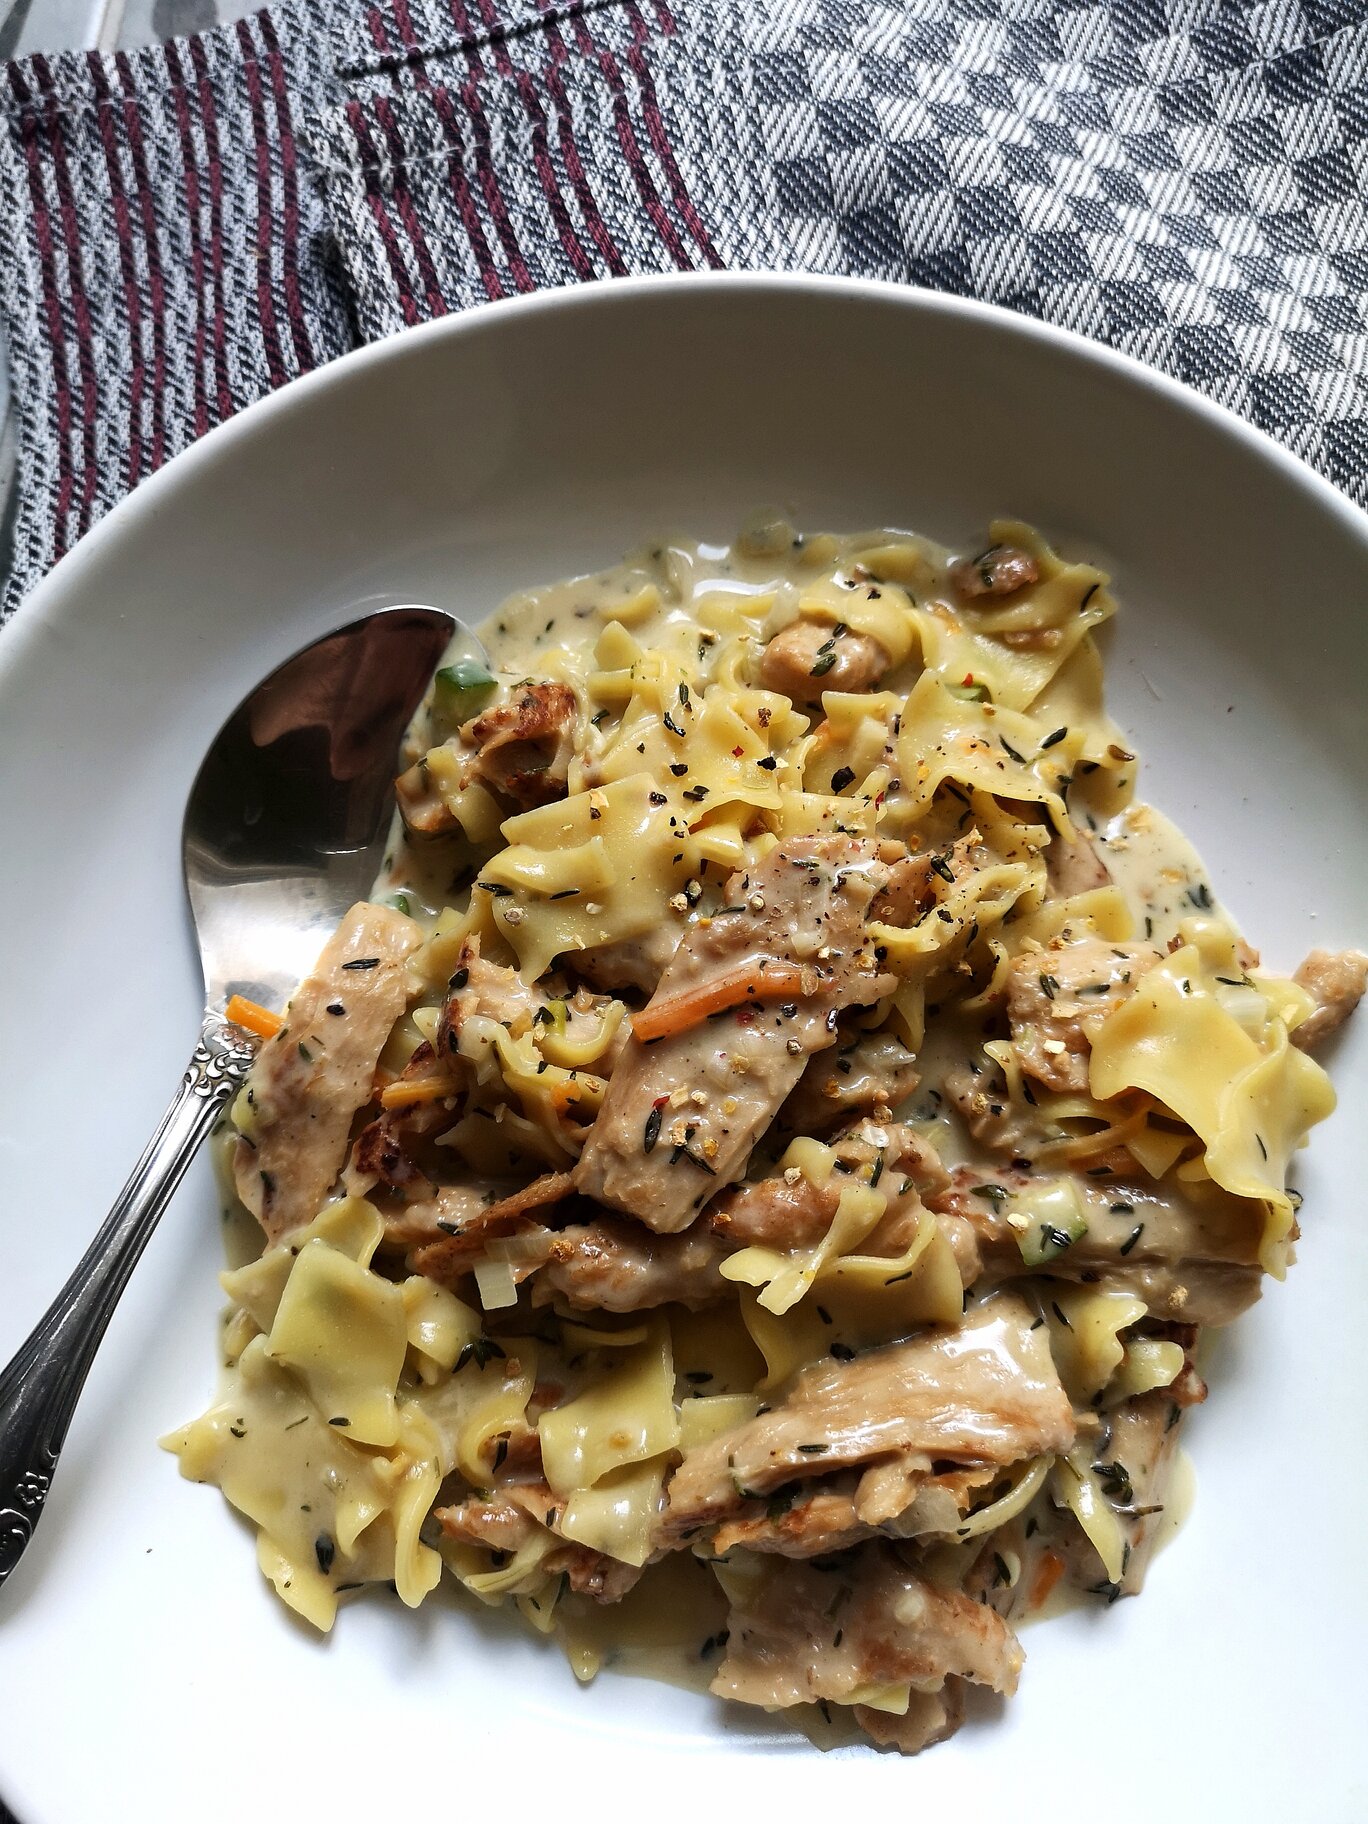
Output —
(968, 677)
(737, 752)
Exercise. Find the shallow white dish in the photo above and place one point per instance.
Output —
(147, 1671)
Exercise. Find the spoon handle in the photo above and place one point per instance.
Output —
(39, 1389)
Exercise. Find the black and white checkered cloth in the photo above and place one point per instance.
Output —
(183, 228)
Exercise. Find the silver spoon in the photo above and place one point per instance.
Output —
(284, 830)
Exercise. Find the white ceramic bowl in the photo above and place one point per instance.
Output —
(147, 1672)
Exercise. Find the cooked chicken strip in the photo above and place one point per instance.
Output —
(892, 1628)
(930, 1717)
(917, 881)
(842, 1511)
(383, 1153)
(631, 962)
(1074, 867)
(1057, 997)
(1002, 1128)
(421, 805)
(1194, 1257)
(874, 1071)
(1000, 570)
(614, 1264)
(1335, 979)
(310, 1079)
(478, 987)
(683, 1113)
(455, 1207)
(808, 656)
(468, 1229)
(984, 1393)
(784, 1211)
(1141, 1450)
(512, 1517)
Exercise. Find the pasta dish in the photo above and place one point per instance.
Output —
(747, 1192)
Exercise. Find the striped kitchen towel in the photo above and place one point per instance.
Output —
(185, 227)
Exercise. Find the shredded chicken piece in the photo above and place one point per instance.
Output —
(1000, 570)
(916, 882)
(512, 1517)
(1058, 997)
(1005, 1129)
(1074, 866)
(523, 747)
(792, 1212)
(1192, 1255)
(309, 1080)
(1142, 1448)
(467, 1231)
(808, 657)
(774, 1212)
(430, 1216)
(384, 1149)
(631, 962)
(873, 1071)
(892, 1626)
(478, 987)
(616, 1264)
(421, 805)
(683, 1113)
(898, 1498)
(984, 1393)
(1335, 979)
(930, 1717)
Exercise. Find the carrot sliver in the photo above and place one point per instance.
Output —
(410, 1095)
(252, 1018)
(1050, 1570)
(751, 982)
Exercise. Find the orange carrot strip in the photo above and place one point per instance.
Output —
(252, 1018)
(408, 1095)
(750, 982)
(1048, 1574)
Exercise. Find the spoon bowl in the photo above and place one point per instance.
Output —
(286, 822)
(284, 829)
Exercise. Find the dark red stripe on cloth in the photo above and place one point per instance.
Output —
(656, 212)
(261, 158)
(290, 226)
(193, 204)
(29, 130)
(486, 175)
(437, 305)
(370, 165)
(223, 394)
(76, 291)
(466, 205)
(440, 99)
(403, 202)
(541, 152)
(638, 63)
(128, 273)
(156, 281)
(559, 56)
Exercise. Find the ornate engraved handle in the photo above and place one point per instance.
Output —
(39, 1389)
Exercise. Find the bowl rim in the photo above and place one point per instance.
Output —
(157, 491)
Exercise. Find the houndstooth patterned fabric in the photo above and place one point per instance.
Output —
(1184, 179)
